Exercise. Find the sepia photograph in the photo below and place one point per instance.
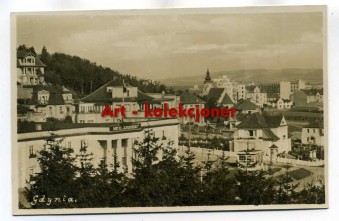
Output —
(169, 110)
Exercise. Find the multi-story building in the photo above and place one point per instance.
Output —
(257, 97)
(116, 96)
(30, 69)
(313, 133)
(51, 102)
(227, 84)
(241, 92)
(108, 142)
(260, 132)
(285, 89)
(297, 85)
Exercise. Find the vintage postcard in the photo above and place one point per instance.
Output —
(133, 111)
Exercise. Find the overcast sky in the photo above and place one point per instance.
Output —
(163, 46)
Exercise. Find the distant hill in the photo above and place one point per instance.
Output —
(313, 76)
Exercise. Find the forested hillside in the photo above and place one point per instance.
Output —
(84, 76)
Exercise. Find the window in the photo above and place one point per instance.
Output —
(127, 93)
(31, 171)
(69, 144)
(313, 130)
(82, 121)
(124, 142)
(308, 130)
(252, 133)
(31, 152)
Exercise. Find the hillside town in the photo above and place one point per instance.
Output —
(276, 124)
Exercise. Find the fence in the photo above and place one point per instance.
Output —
(317, 163)
(205, 151)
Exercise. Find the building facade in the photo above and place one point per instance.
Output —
(313, 133)
(260, 132)
(108, 142)
(30, 69)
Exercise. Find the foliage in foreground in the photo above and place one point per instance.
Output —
(159, 178)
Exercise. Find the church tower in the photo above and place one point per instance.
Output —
(208, 83)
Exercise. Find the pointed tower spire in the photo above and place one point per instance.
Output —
(208, 76)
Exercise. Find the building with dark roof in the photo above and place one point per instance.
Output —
(313, 133)
(260, 131)
(52, 101)
(246, 107)
(116, 95)
(190, 100)
(30, 68)
(220, 97)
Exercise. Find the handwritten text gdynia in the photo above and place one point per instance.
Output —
(192, 112)
(43, 199)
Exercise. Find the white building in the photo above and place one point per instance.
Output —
(285, 90)
(297, 85)
(51, 102)
(281, 104)
(257, 97)
(30, 68)
(313, 133)
(260, 132)
(116, 96)
(106, 142)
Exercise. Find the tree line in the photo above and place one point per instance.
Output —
(84, 76)
(166, 181)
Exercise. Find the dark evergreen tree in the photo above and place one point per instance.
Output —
(254, 188)
(218, 184)
(286, 193)
(190, 180)
(56, 178)
(313, 193)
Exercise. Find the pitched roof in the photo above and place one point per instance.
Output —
(258, 121)
(245, 105)
(101, 95)
(315, 124)
(22, 54)
(253, 121)
(274, 146)
(312, 91)
(190, 98)
(215, 93)
(226, 99)
(55, 94)
(273, 121)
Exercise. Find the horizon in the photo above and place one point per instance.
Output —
(182, 44)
